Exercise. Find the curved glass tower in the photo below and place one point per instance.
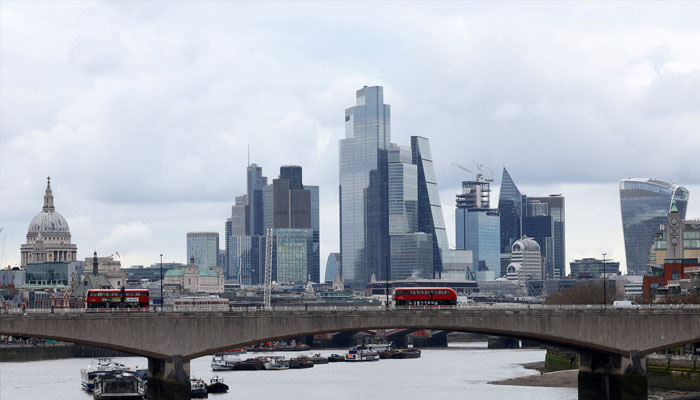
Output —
(645, 204)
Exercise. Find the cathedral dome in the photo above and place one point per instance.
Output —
(48, 221)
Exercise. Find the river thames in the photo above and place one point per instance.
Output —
(461, 371)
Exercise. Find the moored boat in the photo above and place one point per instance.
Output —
(317, 359)
(224, 361)
(118, 386)
(217, 385)
(361, 354)
(336, 358)
(102, 367)
(251, 364)
(300, 362)
(275, 363)
(406, 353)
(199, 389)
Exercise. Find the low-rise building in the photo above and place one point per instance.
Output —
(593, 268)
(674, 271)
(192, 279)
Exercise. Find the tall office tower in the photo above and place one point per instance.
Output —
(541, 229)
(332, 267)
(228, 228)
(645, 204)
(239, 216)
(377, 219)
(315, 262)
(268, 215)
(247, 255)
(295, 227)
(204, 247)
(411, 250)
(550, 206)
(367, 130)
(510, 209)
(255, 182)
(430, 218)
(477, 227)
(291, 203)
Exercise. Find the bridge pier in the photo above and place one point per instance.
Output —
(612, 377)
(169, 380)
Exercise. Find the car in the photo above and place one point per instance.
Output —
(622, 304)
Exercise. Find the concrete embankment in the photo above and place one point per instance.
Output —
(14, 353)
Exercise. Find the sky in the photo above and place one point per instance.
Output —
(141, 112)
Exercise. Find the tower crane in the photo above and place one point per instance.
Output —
(479, 173)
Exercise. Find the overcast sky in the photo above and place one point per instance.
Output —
(141, 111)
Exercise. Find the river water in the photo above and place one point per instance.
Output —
(461, 371)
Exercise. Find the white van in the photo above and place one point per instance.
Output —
(625, 304)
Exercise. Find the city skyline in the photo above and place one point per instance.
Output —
(135, 171)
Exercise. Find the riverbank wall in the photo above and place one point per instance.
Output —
(663, 372)
(40, 352)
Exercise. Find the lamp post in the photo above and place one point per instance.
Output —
(161, 283)
(605, 289)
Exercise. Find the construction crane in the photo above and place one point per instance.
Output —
(479, 173)
(267, 289)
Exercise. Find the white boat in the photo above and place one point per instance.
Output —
(275, 363)
(224, 362)
(361, 354)
(118, 386)
(102, 367)
(380, 347)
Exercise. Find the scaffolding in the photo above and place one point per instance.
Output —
(267, 293)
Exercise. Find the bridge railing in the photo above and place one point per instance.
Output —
(675, 357)
(317, 308)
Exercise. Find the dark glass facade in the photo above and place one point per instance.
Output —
(541, 229)
(510, 209)
(645, 204)
(556, 209)
(256, 182)
(430, 218)
(377, 217)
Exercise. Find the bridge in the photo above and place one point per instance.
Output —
(612, 343)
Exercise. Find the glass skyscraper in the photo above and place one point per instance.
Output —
(477, 227)
(389, 202)
(204, 247)
(645, 204)
(367, 130)
(555, 208)
(510, 209)
(430, 218)
(332, 267)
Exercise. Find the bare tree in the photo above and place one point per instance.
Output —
(585, 292)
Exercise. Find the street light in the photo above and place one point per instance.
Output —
(605, 290)
(161, 283)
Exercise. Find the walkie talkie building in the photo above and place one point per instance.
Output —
(645, 204)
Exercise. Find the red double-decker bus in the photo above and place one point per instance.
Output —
(137, 299)
(425, 297)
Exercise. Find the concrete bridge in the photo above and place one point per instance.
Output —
(612, 343)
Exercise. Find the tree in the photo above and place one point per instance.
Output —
(584, 292)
